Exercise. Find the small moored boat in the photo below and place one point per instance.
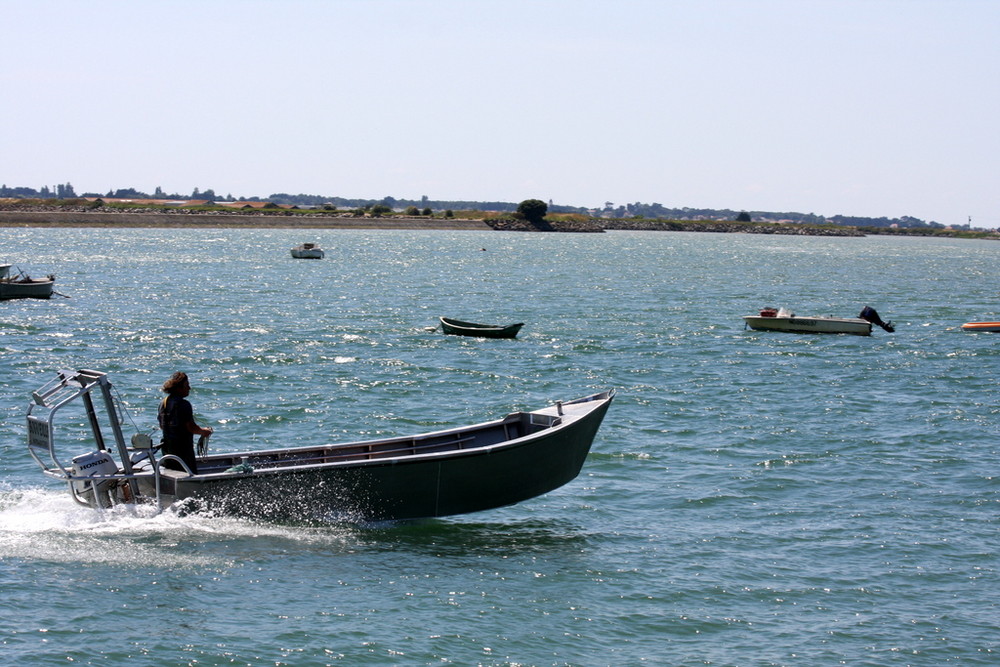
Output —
(770, 319)
(460, 328)
(308, 251)
(22, 286)
(453, 471)
(981, 326)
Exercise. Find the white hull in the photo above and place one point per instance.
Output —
(834, 325)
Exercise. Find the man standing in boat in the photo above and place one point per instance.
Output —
(177, 422)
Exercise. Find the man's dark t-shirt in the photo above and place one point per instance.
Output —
(174, 415)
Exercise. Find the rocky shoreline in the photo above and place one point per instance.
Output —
(514, 225)
(730, 227)
(41, 216)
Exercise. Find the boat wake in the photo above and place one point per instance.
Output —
(45, 524)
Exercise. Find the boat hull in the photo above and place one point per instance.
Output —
(428, 486)
(308, 254)
(31, 289)
(460, 328)
(981, 326)
(828, 325)
(402, 489)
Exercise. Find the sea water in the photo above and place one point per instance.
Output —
(752, 498)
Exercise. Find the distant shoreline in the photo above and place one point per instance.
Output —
(194, 220)
(225, 220)
(133, 220)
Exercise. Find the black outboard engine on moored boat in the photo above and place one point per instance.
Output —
(869, 313)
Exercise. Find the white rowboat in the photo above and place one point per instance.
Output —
(770, 319)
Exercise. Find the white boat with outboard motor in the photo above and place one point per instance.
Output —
(437, 474)
(782, 319)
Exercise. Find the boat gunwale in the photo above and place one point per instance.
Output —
(560, 423)
(474, 326)
(266, 468)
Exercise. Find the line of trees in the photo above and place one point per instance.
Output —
(609, 210)
(64, 191)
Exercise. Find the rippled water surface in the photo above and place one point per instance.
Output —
(751, 499)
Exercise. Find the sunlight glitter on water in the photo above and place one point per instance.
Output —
(751, 497)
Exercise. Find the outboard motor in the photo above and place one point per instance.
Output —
(869, 313)
(94, 493)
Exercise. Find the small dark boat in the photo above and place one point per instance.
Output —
(22, 286)
(460, 328)
(308, 251)
(454, 471)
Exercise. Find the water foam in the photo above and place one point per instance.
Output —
(43, 524)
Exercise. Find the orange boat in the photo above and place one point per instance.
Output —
(981, 326)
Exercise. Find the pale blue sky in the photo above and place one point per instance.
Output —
(853, 107)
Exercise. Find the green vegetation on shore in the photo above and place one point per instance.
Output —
(530, 215)
(426, 206)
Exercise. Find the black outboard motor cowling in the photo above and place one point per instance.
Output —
(869, 313)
